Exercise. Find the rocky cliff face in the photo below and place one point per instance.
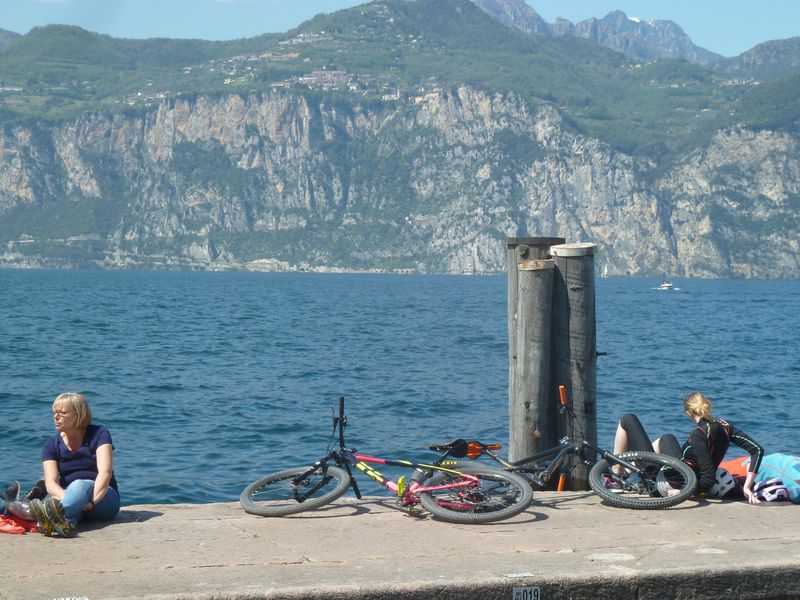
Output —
(633, 37)
(515, 13)
(641, 40)
(283, 181)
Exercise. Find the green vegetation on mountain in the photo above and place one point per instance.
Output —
(773, 104)
(399, 46)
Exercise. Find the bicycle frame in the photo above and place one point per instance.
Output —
(540, 474)
(408, 492)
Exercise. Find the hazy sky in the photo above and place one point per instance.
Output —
(728, 27)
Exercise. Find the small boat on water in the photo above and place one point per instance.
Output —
(666, 284)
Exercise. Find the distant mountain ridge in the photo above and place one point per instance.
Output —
(642, 40)
(635, 38)
(648, 41)
(765, 61)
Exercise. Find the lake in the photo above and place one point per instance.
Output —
(210, 380)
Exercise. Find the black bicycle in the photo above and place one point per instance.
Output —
(472, 493)
(640, 480)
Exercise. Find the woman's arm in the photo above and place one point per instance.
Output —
(104, 468)
(51, 479)
(744, 441)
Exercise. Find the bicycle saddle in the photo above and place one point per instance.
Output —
(456, 448)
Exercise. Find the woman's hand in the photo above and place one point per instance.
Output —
(751, 497)
(747, 489)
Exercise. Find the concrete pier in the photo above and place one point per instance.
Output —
(568, 545)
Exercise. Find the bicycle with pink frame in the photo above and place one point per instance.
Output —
(468, 494)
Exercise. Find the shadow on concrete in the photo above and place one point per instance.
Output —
(136, 516)
(124, 516)
(555, 502)
(422, 514)
(372, 505)
(685, 505)
(329, 511)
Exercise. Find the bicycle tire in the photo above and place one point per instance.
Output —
(500, 495)
(273, 495)
(644, 494)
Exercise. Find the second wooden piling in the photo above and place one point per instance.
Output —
(574, 340)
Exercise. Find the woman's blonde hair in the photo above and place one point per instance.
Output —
(697, 405)
(78, 404)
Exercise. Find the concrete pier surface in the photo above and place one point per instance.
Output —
(566, 545)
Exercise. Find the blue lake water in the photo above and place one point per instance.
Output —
(210, 380)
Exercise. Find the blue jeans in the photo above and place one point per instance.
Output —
(79, 493)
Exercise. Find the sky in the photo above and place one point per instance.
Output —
(727, 27)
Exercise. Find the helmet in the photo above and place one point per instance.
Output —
(724, 483)
(771, 490)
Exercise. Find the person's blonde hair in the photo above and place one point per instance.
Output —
(78, 404)
(697, 405)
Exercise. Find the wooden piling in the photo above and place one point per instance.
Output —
(531, 418)
(574, 361)
(523, 402)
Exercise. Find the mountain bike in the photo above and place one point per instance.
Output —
(472, 493)
(640, 480)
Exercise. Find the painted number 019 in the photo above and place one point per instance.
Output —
(526, 593)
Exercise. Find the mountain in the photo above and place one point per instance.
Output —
(633, 37)
(516, 14)
(7, 38)
(398, 135)
(641, 40)
(649, 41)
(764, 61)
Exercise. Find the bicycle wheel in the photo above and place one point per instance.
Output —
(664, 481)
(498, 495)
(278, 494)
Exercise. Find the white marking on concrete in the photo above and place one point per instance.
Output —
(610, 557)
(710, 551)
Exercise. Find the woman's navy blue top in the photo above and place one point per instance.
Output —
(81, 464)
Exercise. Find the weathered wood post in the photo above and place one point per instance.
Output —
(531, 425)
(575, 340)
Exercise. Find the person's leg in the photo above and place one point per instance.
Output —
(106, 509)
(668, 444)
(631, 435)
(76, 496)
